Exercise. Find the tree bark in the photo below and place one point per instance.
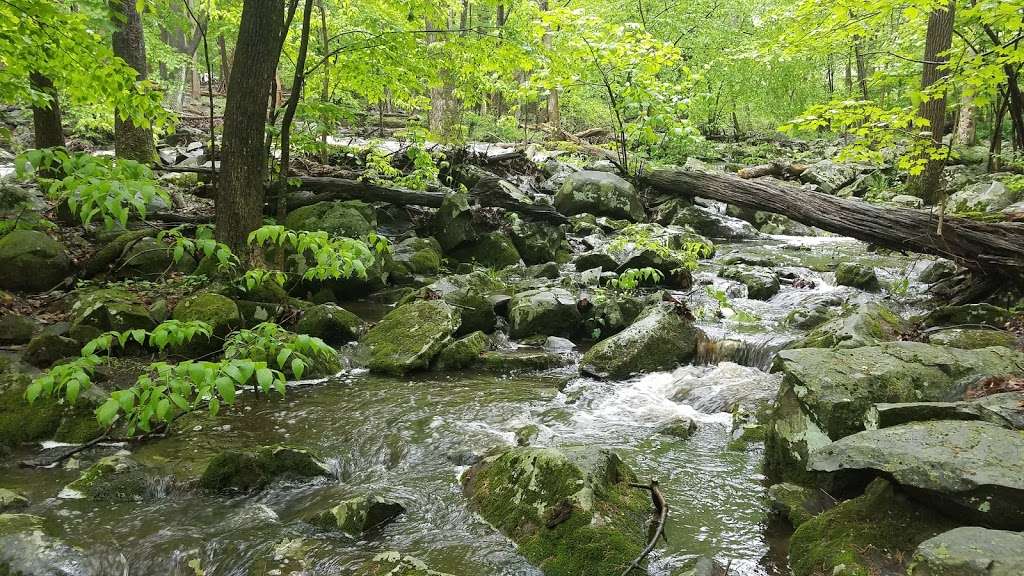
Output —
(129, 43)
(225, 62)
(289, 111)
(862, 67)
(46, 120)
(966, 130)
(240, 195)
(992, 249)
(937, 40)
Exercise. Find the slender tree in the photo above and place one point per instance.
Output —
(289, 111)
(131, 141)
(240, 196)
(937, 41)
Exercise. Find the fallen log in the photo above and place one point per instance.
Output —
(991, 249)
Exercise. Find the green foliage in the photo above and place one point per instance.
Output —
(639, 237)
(333, 257)
(632, 278)
(93, 186)
(204, 245)
(269, 342)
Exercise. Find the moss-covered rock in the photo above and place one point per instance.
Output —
(570, 511)
(866, 325)
(536, 242)
(937, 270)
(351, 218)
(453, 222)
(410, 336)
(761, 283)
(681, 428)
(493, 251)
(659, 339)
(544, 311)
(44, 419)
(520, 360)
(825, 394)
(798, 504)
(972, 338)
(970, 551)
(17, 329)
(11, 501)
(332, 324)
(470, 294)
(97, 311)
(611, 314)
(28, 547)
(875, 533)
(712, 224)
(47, 348)
(856, 276)
(252, 471)
(414, 257)
(975, 470)
(599, 193)
(462, 352)
(396, 564)
(357, 515)
(150, 257)
(828, 176)
(985, 314)
(32, 261)
(219, 311)
(115, 478)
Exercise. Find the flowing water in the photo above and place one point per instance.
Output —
(409, 439)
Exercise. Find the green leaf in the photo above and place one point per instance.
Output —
(226, 388)
(265, 377)
(298, 367)
(107, 411)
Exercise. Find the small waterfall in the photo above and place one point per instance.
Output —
(755, 352)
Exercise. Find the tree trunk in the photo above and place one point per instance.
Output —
(849, 76)
(225, 63)
(937, 40)
(967, 126)
(46, 120)
(289, 111)
(995, 146)
(862, 68)
(992, 249)
(325, 71)
(243, 170)
(129, 43)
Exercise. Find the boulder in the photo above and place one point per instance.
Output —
(866, 325)
(357, 515)
(601, 194)
(536, 242)
(115, 478)
(825, 394)
(828, 176)
(520, 360)
(152, 257)
(11, 501)
(937, 270)
(492, 251)
(798, 504)
(660, 339)
(681, 428)
(970, 551)
(986, 196)
(410, 336)
(543, 312)
(462, 352)
(856, 276)
(17, 329)
(611, 314)
(414, 257)
(714, 225)
(985, 314)
(761, 283)
(45, 418)
(98, 311)
(349, 218)
(972, 338)
(875, 533)
(217, 310)
(906, 201)
(28, 546)
(32, 261)
(330, 323)
(570, 510)
(974, 470)
(251, 471)
(453, 222)
(47, 348)
(470, 294)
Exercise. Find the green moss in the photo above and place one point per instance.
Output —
(463, 352)
(357, 515)
(410, 336)
(493, 251)
(11, 501)
(351, 218)
(874, 533)
(856, 276)
(112, 478)
(331, 323)
(251, 471)
(395, 564)
(19, 421)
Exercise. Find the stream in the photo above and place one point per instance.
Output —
(408, 439)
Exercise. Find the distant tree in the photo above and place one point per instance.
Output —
(131, 140)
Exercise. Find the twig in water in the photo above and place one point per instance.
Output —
(661, 509)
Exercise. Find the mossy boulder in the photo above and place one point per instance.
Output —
(937, 270)
(332, 324)
(545, 312)
(875, 533)
(536, 242)
(453, 222)
(233, 470)
(396, 564)
(219, 311)
(11, 501)
(798, 504)
(985, 196)
(47, 349)
(28, 546)
(825, 394)
(857, 276)
(601, 194)
(681, 428)
(44, 419)
(865, 325)
(414, 257)
(96, 311)
(828, 176)
(115, 478)
(410, 336)
(462, 352)
(974, 470)
(357, 515)
(761, 283)
(571, 511)
(611, 314)
(151, 257)
(17, 329)
(660, 339)
(713, 224)
(349, 218)
(493, 251)
(970, 551)
(972, 338)
(32, 261)
(984, 314)
(470, 294)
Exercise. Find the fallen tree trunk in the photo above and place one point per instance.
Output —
(993, 249)
(779, 169)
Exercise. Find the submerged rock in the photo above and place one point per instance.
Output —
(358, 515)
(544, 312)
(973, 469)
(32, 261)
(761, 283)
(251, 471)
(798, 503)
(856, 276)
(397, 564)
(28, 547)
(520, 360)
(570, 511)
(825, 393)
(659, 339)
(116, 478)
(970, 551)
(410, 336)
(11, 501)
(872, 534)
(601, 194)
(681, 428)
(332, 324)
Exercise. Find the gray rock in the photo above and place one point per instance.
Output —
(601, 194)
(536, 242)
(681, 428)
(974, 469)
(856, 276)
(32, 261)
(358, 515)
(410, 336)
(989, 196)
(472, 294)
(985, 314)
(761, 283)
(937, 270)
(544, 312)
(828, 176)
(659, 339)
(970, 551)
(714, 225)
(866, 325)
(972, 338)
(906, 201)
